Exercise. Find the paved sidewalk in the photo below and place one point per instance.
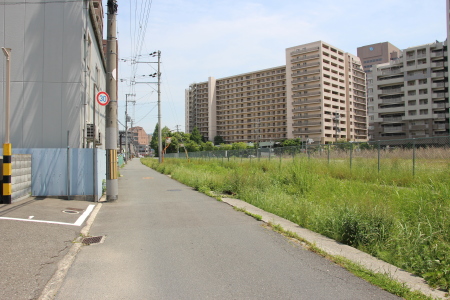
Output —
(35, 234)
(163, 240)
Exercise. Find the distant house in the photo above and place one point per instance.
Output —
(57, 68)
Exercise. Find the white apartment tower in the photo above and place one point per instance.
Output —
(319, 95)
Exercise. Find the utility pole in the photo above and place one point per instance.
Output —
(177, 127)
(112, 184)
(126, 124)
(159, 110)
(153, 54)
(7, 147)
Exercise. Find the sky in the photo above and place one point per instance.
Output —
(218, 38)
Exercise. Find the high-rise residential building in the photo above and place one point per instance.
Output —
(409, 95)
(319, 96)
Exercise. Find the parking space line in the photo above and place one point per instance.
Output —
(78, 222)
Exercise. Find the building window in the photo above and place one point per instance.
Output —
(411, 83)
(423, 91)
(412, 112)
(411, 93)
(424, 111)
(423, 101)
(411, 102)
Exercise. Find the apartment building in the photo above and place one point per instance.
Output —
(319, 95)
(378, 53)
(409, 96)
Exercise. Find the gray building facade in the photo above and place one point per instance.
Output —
(57, 67)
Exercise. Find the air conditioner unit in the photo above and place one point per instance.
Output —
(90, 132)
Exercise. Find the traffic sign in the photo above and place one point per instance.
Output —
(102, 98)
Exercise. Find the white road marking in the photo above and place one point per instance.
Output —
(30, 217)
(83, 217)
(78, 222)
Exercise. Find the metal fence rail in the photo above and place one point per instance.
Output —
(404, 154)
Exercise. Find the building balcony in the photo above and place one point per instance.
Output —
(440, 64)
(394, 129)
(438, 54)
(312, 78)
(305, 73)
(391, 91)
(440, 116)
(440, 95)
(306, 124)
(308, 57)
(303, 131)
(305, 87)
(440, 105)
(306, 116)
(393, 100)
(392, 119)
(302, 51)
(439, 75)
(440, 126)
(308, 108)
(313, 64)
(439, 85)
(306, 94)
(300, 102)
(391, 72)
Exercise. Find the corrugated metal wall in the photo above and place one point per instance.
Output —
(53, 172)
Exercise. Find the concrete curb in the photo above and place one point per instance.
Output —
(334, 248)
(54, 284)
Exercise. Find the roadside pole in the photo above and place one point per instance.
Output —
(7, 147)
(112, 184)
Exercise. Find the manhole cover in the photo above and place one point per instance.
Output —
(93, 240)
(69, 211)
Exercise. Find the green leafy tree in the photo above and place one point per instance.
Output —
(196, 136)
(154, 141)
(218, 140)
(226, 147)
(208, 146)
(239, 146)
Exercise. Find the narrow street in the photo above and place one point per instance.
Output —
(164, 240)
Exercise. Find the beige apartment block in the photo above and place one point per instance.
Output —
(318, 96)
(326, 94)
(409, 95)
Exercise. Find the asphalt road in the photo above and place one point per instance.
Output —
(167, 241)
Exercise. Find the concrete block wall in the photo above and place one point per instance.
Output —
(21, 176)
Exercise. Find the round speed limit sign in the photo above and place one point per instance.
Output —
(102, 98)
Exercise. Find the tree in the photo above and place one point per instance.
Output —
(208, 146)
(154, 141)
(196, 136)
(238, 146)
(218, 140)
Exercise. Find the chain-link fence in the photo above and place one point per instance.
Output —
(404, 154)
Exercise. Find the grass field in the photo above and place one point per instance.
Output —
(393, 215)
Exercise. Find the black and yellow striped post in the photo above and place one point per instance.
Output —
(7, 172)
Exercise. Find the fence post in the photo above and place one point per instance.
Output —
(328, 153)
(378, 146)
(414, 157)
(351, 155)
